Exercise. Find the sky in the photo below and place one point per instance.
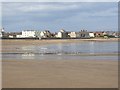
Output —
(53, 16)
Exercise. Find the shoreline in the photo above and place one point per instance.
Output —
(71, 54)
(13, 46)
(42, 42)
(52, 73)
(68, 39)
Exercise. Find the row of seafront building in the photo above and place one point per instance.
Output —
(62, 34)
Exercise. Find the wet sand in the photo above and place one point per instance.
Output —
(38, 42)
(13, 45)
(56, 73)
(60, 74)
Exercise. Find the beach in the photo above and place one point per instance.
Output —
(59, 74)
(59, 44)
(52, 73)
(15, 44)
(37, 42)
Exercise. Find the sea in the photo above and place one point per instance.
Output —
(91, 50)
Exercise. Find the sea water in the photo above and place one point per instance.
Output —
(67, 51)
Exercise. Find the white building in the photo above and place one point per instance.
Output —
(73, 34)
(27, 34)
(91, 34)
(19, 36)
(79, 35)
(10, 36)
(43, 34)
(1, 32)
(61, 34)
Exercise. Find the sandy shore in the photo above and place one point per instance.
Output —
(56, 73)
(13, 45)
(39, 42)
(59, 74)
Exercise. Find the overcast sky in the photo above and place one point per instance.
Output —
(53, 16)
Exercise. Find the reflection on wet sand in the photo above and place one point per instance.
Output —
(28, 56)
(27, 64)
(86, 49)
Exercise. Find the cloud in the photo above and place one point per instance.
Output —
(47, 7)
(0, 16)
(32, 7)
(44, 9)
(60, 1)
(53, 15)
(109, 12)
